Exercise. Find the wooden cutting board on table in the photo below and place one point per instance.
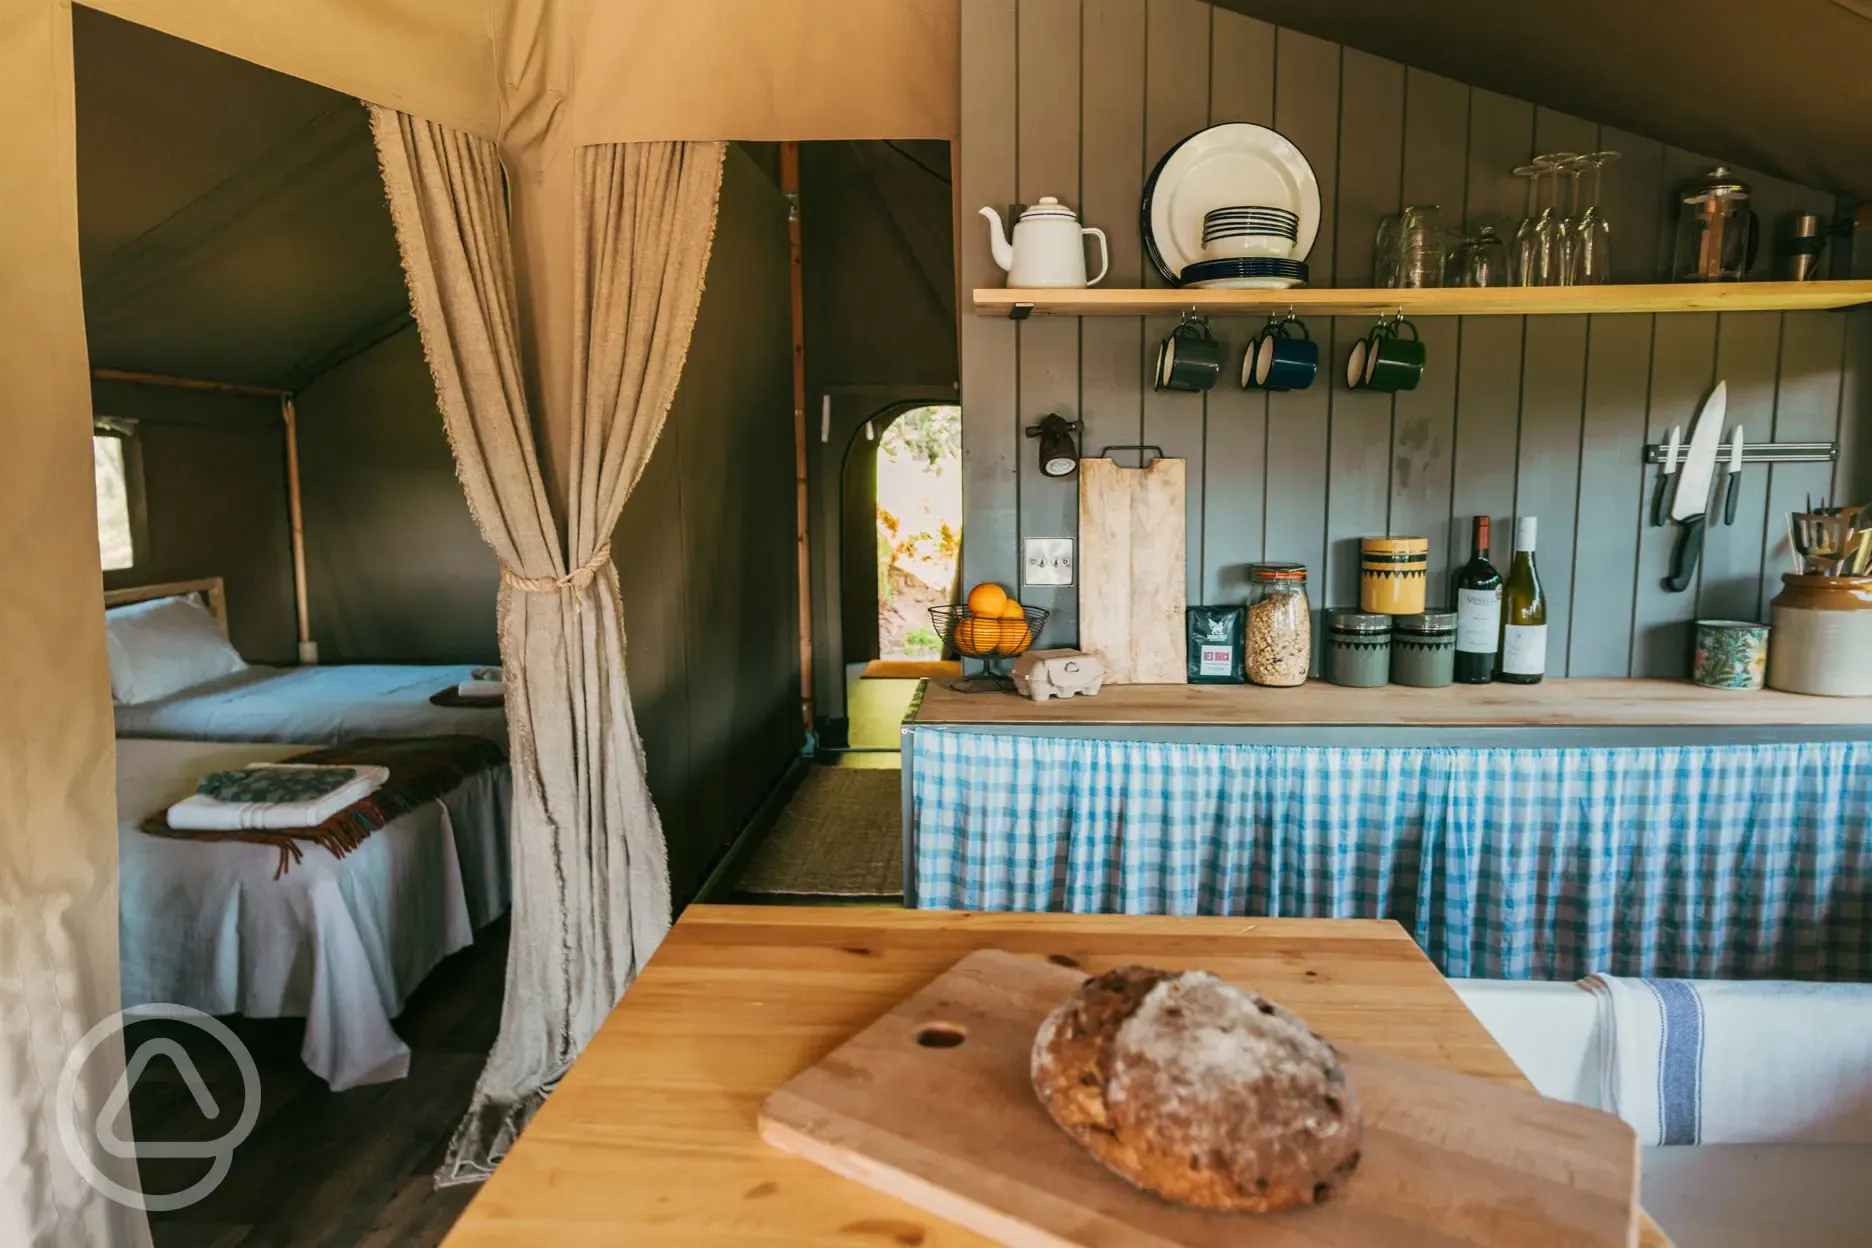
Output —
(933, 1104)
(1132, 586)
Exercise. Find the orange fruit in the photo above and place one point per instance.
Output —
(1015, 636)
(971, 636)
(987, 599)
(1012, 610)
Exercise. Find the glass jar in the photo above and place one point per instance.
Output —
(1358, 648)
(1423, 650)
(1280, 625)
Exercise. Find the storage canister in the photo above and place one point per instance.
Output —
(1358, 648)
(1280, 625)
(1423, 649)
(1392, 574)
(1822, 636)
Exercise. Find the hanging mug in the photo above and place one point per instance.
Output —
(1392, 361)
(1275, 361)
(1190, 358)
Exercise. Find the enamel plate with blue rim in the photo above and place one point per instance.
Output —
(1222, 167)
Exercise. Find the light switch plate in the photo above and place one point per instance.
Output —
(1049, 561)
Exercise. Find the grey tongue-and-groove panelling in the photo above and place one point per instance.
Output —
(1543, 415)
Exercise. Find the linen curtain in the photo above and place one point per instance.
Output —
(591, 882)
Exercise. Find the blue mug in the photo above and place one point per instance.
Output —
(1280, 362)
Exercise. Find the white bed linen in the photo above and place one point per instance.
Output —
(317, 704)
(339, 942)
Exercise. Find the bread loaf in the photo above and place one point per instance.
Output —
(1204, 1093)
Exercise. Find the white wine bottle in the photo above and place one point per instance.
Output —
(1524, 614)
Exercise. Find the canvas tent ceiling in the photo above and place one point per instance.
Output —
(231, 221)
(1780, 86)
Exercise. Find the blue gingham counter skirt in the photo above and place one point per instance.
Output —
(1699, 862)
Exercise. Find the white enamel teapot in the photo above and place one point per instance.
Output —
(1047, 249)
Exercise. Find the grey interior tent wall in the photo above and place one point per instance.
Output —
(1517, 415)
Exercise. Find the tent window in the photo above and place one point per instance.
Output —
(111, 464)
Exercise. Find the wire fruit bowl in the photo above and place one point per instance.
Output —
(992, 639)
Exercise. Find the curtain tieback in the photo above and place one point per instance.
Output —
(579, 578)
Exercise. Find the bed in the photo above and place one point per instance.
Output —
(339, 942)
(307, 704)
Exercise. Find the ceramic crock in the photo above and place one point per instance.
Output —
(1822, 636)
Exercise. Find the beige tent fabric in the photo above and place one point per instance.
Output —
(591, 882)
(58, 825)
(763, 69)
(431, 58)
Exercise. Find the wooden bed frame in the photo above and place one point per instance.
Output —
(211, 589)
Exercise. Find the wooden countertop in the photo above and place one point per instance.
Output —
(651, 1136)
(1552, 703)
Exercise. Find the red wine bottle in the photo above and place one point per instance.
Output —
(1478, 612)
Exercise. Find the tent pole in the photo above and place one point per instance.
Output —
(289, 414)
(790, 186)
(185, 383)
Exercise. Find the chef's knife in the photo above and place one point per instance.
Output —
(1664, 475)
(1690, 505)
(1733, 486)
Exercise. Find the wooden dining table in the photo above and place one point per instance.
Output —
(651, 1136)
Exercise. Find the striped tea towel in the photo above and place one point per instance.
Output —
(1737, 1061)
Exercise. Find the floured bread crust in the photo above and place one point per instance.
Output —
(1202, 1092)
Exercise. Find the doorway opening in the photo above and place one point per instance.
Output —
(919, 529)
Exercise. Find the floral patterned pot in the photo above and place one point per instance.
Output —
(1730, 654)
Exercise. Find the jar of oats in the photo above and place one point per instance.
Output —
(1280, 626)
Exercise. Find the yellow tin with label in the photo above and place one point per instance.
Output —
(1392, 574)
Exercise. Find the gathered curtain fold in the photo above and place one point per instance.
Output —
(590, 867)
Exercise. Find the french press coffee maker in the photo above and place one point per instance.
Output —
(1717, 233)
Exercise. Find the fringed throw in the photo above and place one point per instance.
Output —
(422, 769)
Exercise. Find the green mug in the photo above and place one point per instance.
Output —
(1190, 358)
(1392, 361)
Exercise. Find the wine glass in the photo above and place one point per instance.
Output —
(1554, 238)
(1592, 233)
(1526, 241)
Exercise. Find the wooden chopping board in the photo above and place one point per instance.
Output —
(933, 1104)
(1132, 586)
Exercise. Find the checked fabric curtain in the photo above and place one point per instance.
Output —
(591, 881)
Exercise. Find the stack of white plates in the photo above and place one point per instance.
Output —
(1256, 179)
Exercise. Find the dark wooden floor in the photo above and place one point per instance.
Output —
(326, 1169)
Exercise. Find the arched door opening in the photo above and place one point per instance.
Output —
(919, 529)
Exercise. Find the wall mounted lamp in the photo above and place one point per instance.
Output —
(1059, 450)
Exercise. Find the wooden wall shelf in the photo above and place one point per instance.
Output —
(1501, 301)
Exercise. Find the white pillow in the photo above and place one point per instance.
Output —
(164, 646)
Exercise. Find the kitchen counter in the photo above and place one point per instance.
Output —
(1554, 712)
(651, 1136)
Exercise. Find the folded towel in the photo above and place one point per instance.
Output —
(201, 813)
(1737, 1061)
(479, 689)
(486, 673)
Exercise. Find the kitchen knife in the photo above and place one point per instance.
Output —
(1690, 505)
(1664, 475)
(1733, 486)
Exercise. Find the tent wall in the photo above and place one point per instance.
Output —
(1542, 415)
(433, 58)
(58, 842)
(395, 569)
(214, 482)
(754, 69)
(705, 548)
